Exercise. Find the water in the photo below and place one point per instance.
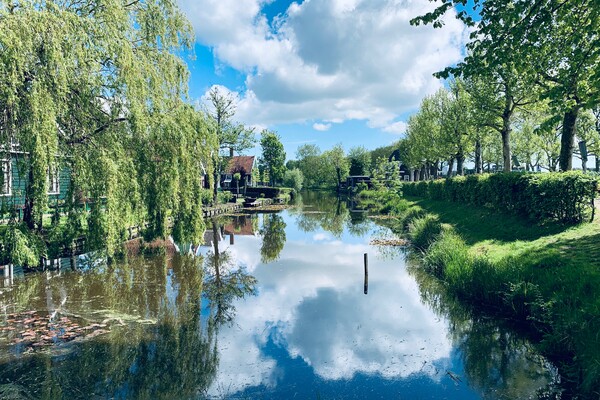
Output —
(276, 312)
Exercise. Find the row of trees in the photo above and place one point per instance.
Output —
(532, 70)
(460, 123)
(329, 169)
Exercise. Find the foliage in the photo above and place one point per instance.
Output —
(20, 246)
(552, 43)
(273, 156)
(273, 237)
(224, 196)
(565, 197)
(226, 133)
(543, 276)
(360, 161)
(386, 174)
(320, 170)
(293, 179)
(336, 158)
(424, 231)
(98, 87)
(382, 201)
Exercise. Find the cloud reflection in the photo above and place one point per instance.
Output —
(311, 301)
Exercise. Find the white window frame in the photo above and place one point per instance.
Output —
(7, 172)
(54, 180)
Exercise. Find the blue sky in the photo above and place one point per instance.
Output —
(320, 71)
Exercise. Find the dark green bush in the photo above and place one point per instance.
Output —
(565, 197)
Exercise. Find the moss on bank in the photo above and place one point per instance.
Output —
(546, 277)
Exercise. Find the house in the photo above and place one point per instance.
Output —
(238, 164)
(14, 182)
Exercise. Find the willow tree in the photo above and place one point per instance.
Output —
(88, 84)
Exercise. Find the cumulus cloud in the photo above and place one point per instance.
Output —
(397, 127)
(328, 60)
(321, 127)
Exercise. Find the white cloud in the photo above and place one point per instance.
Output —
(397, 127)
(328, 60)
(321, 127)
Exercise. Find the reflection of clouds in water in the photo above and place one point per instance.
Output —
(313, 296)
(320, 236)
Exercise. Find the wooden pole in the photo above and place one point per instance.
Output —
(366, 273)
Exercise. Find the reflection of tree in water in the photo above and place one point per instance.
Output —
(273, 237)
(323, 210)
(499, 363)
(224, 283)
(169, 358)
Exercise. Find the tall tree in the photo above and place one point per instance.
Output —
(273, 156)
(337, 157)
(360, 160)
(229, 135)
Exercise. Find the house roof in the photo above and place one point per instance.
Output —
(242, 164)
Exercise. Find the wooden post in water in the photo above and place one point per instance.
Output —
(231, 239)
(366, 273)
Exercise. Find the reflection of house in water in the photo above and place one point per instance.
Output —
(242, 225)
(210, 236)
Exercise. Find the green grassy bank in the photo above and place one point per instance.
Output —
(544, 277)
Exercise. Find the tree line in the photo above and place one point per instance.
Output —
(527, 91)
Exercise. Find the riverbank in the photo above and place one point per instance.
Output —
(544, 277)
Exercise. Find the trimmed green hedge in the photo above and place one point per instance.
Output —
(565, 197)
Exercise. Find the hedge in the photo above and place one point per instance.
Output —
(565, 197)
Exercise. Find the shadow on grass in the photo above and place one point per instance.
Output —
(477, 224)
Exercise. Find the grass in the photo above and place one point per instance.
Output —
(545, 276)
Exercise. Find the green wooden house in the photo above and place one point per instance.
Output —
(14, 178)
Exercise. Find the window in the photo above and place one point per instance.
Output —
(53, 181)
(6, 186)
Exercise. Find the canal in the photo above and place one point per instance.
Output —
(271, 306)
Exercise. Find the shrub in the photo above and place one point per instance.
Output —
(448, 253)
(424, 231)
(224, 197)
(409, 216)
(563, 197)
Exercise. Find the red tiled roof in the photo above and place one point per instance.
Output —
(242, 164)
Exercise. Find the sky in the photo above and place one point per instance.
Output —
(321, 72)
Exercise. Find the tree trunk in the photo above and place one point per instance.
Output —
(215, 186)
(435, 169)
(450, 168)
(506, 156)
(29, 202)
(597, 163)
(478, 160)
(567, 140)
(460, 162)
